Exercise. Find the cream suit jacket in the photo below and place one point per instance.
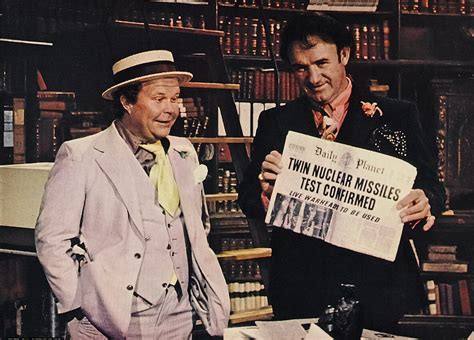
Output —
(95, 191)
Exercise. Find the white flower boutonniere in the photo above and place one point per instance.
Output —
(370, 109)
(183, 151)
(200, 173)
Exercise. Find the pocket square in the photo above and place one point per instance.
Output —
(200, 173)
(388, 141)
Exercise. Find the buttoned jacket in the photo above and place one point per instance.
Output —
(305, 271)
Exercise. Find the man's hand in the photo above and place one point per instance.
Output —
(414, 207)
(271, 167)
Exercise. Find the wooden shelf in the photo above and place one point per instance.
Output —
(26, 42)
(265, 313)
(360, 62)
(166, 28)
(218, 140)
(438, 320)
(211, 86)
(412, 63)
(230, 196)
(245, 254)
(446, 275)
(436, 15)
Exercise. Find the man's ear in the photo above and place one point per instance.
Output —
(126, 104)
(345, 55)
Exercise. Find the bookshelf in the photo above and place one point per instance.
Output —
(448, 316)
(423, 44)
(213, 87)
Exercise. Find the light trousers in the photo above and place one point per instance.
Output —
(170, 318)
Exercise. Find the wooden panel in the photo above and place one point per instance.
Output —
(454, 105)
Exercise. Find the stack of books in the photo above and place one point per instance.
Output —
(54, 106)
(85, 123)
(443, 258)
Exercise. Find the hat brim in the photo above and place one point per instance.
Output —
(183, 77)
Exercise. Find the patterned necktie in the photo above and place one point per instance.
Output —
(326, 124)
(161, 174)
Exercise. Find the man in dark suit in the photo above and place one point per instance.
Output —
(306, 272)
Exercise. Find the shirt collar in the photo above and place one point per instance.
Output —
(340, 104)
(133, 141)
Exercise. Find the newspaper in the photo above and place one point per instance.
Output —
(341, 194)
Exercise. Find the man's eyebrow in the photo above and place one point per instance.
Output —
(155, 93)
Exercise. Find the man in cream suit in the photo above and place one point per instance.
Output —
(124, 256)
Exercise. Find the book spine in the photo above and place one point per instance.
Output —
(357, 43)
(431, 295)
(464, 296)
(6, 129)
(443, 295)
(55, 95)
(449, 298)
(386, 39)
(19, 130)
(372, 42)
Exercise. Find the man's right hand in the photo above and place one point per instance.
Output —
(271, 167)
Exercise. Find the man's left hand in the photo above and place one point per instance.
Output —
(415, 207)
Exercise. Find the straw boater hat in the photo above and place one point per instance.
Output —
(145, 66)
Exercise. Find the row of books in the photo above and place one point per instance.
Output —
(59, 120)
(172, 19)
(226, 183)
(235, 243)
(223, 206)
(247, 296)
(241, 270)
(289, 4)
(258, 84)
(450, 298)
(45, 19)
(371, 41)
(12, 129)
(247, 36)
(42, 19)
(51, 126)
(193, 116)
(464, 7)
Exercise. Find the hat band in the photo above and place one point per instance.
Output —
(144, 70)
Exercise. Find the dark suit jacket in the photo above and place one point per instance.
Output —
(306, 272)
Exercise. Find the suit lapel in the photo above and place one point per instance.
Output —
(183, 171)
(297, 117)
(357, 127)
(121, 166)
(183, 175)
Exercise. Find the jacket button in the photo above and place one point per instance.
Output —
(168, 247)
(137, 255)
(169, 225)
(164, 285)
(129, 287)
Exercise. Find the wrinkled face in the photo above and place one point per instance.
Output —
(155, 111)
(319, 72)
